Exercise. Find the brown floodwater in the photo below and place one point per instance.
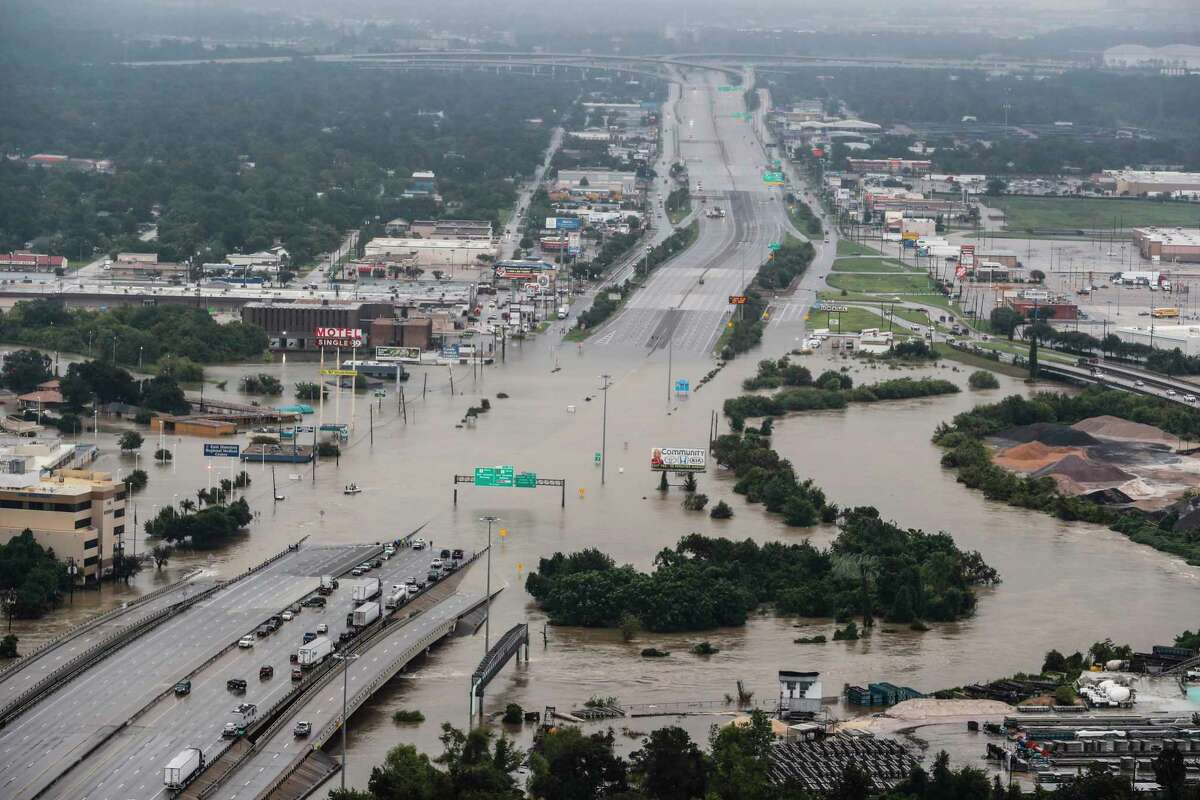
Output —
(1065, 585)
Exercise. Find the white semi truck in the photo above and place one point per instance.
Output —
(183, 768)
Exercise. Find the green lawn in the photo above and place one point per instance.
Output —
(973, 360)
(895, 284)
(845, 247)
(870, 265)
(677, 215)
(935, 299)
(852, 321)
(1025, 213)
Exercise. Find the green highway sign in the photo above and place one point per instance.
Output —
(596, 458)
(772, 177)
(742, 115)
(776, 164)
(726, 88)
(497, 476)
(504, 475)
(526, 480)
(774, 247)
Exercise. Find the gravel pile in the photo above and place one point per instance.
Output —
(1080, 469)
(1049, 433)
(1109, 427)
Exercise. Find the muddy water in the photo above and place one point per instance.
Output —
(1065, 585)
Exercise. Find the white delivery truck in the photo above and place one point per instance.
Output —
(313, 653)
(367, 590)
(366, 614)
(181, 769)
(397, 598)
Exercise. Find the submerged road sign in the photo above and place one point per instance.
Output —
(526, 480)
(222, 450)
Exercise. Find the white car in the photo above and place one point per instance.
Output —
(287, 616)
(246, 642)
(322, 628)
(418, 544)
(1139, 383)
(1170, 392)
(1189, 398)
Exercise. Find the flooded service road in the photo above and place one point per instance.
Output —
(1065, 585)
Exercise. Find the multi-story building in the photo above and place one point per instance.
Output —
(25, 261)
(78, 513)
(596, 182)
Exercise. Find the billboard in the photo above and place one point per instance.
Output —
(212, 450)
(407, 355)
(678, 459)
(563, 223)
(338, 337)
(966, 256)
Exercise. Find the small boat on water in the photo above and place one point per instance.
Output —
(352, 488)
(295, 476)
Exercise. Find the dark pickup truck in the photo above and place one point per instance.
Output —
(237, 685)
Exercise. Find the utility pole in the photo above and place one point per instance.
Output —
(604, 428)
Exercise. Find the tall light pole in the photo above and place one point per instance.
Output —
(346, 659)
(604, 428)
(487, 620)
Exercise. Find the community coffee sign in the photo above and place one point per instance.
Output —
(338, 337)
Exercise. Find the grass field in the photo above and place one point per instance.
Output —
(845, 247)
(972, 360)
(853, 320)
(869, 265)
(895, 284)
(1027, 213)
(936, 299)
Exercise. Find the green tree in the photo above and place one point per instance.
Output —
(995, 187)
(741, 759)
(1033, 357)
(1170, 772)
(23, 370)
(669, 766)
(8, 646)
(1005, 321)
(131, 440)
(573, 766)
(136, 481)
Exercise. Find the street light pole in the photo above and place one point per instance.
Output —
(604, 429)
(487, 620)
(345, 659)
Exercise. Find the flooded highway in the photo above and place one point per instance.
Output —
(1065, 585)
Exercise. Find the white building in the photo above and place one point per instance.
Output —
(1164, 337)
(597, 181)
(431, 252)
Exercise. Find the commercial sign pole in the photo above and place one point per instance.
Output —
(353, 386)
(337, 403)
(321, 391)
(604, 429)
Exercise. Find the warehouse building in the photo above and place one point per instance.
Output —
(1164, 337)
(891, 166)
(451, 229)
(1134, 182)
(431, 252)
(596, 182)
(1168, 244)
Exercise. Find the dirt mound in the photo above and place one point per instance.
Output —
(1049, 433)
(1110, 427)
(1032, 456)
(1081, 469)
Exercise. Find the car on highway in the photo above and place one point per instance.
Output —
(1139, 383)
(245, 641)
(302, 729)
(418, 544)
(266, 672)
(445, 554)
(322, 628)
(457, 554)
(1189, 398)
(287, 616)
(309, 636)
(316, 601)
(237, 685)
(297, 673)
(435, 564)
(357, 572)
(183, 687)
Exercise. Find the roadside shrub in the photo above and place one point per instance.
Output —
(982, 379)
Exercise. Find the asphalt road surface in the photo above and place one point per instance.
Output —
(685, 302)
(45, 741)
(276, 753)
(172, 723)
(28, 672)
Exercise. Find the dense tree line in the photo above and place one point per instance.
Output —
(776, 274)
(1167, 105)
(37, 579)
(134, 333)
(568, 764)
(872, 568)
(237, 157)
(201, 527)
(830, 390)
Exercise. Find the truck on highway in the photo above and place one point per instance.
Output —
(366, 614)
(396, 599)
(313, 653)
(327, 585)
(183, 768)
(367, 590)
(1163, 313)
